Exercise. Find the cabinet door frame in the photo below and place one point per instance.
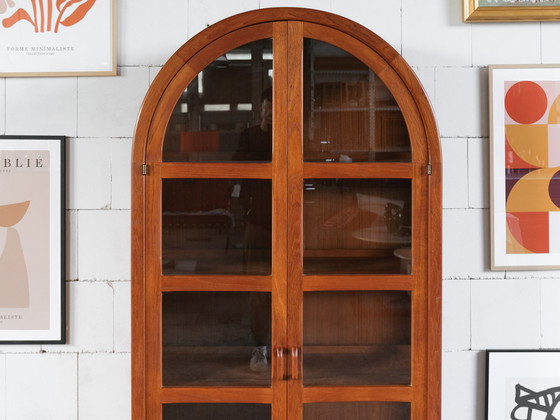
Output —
(147, 169)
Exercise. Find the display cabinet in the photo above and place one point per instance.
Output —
(286, 228)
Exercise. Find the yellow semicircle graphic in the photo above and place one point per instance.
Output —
(529, 142)
(530, 193)
(554, 113)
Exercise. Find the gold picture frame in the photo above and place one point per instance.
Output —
(511, 10)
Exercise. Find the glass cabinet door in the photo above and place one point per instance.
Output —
(217, 238)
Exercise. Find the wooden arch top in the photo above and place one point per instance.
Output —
(369, 39)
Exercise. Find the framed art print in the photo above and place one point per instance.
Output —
(522, 385)
(57, 38)
(510, 10)
(32, 275)
(525, 167)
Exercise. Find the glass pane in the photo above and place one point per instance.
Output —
(356, 338)
(357, 226)
(357, 411)
(349, 114)
(216, 226)
(225, 114)
(216, 338)
(216, 412)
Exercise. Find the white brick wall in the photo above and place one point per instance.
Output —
(89, 378)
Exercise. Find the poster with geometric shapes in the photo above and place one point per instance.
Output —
(525, 167)
(32, 274)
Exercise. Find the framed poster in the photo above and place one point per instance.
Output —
(510, 10)
(522, 385)
(32, 205)
(525, 167)
(57, 38)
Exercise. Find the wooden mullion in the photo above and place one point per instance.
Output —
(215, 283)
(255, 395)
(356, 393)
(279, 221)
(216, 170)
(294, 118)
(358, 282)
(358, 170)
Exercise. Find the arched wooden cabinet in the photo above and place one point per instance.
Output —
(286, 224)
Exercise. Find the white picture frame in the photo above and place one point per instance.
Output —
(58, 38)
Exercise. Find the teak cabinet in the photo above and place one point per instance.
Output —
(286, 228)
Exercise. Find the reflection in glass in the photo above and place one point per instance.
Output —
(357, 411)
(216, 338)
(216, 226)
(357, 226)
(349, 114)
(225, 114)
(365, 341)
(229, 411)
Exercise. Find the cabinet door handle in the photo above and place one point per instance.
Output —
(296, 362)
(280, 372)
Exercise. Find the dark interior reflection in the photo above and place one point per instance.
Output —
(349, 113)
(216, 226)
(225, 114)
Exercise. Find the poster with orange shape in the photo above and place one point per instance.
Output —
(31, 240)
(525, 167)
(57, 37)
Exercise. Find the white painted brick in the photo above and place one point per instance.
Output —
(380, 16)
(462, 102)
(550, 314)
(104, 386)
(2, 106)
(90, 318)
(154, 72)
(150, 34)
(505, 314)
(104, 245)
(15, 349)
(109, 106)
(456, 316)
(466, 245)
(325, 5)
(455, 174)
(120, 173)
(533, 274)
(506, 43)
(463, 386)
(89, 181)
(41, 386)
(41, 106)
(203, 13)
(479, 173)
(122, 319)
(433, 34)
(427, 76)
(2, 387)
(71, 245)
(550, 32)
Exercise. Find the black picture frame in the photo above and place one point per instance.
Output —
(33, 246)
(522, 384)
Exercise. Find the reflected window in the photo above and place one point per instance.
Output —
(225, 114)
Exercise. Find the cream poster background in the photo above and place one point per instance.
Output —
(26, 176)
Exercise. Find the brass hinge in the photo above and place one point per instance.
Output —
(429, 169)
(144, 169)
